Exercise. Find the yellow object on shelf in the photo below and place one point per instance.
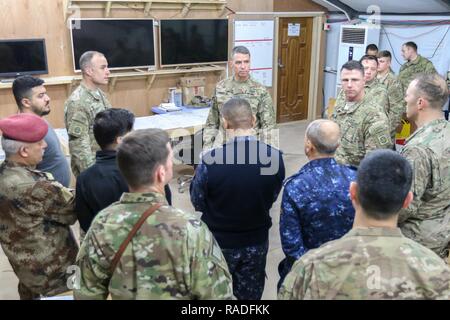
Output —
(401, 136)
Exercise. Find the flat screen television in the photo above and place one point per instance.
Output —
(126, 43)
(193, 41)
(19, 57)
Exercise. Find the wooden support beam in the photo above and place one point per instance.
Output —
(112, 84)
(108, 9)
(185, 10)
(148, 5)
(150, 80)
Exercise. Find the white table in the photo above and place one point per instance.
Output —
(178, 124)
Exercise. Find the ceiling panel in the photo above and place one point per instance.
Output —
(390, 6)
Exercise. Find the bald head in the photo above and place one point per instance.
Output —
(324, 135)
(238, 114)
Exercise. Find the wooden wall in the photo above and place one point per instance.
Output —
(20, 19)
(297, 5)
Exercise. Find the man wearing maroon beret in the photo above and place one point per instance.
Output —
(36, 211)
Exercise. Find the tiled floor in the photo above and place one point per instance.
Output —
(291, 143)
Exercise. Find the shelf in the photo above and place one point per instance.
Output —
(146, 5)
(150, 76)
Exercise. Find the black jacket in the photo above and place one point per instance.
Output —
(99, 186)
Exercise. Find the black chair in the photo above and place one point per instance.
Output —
(189, 153)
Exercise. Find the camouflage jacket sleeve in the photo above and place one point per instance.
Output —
(421, 165)
(211, 126)
(298, 284)
(429, 67)
(377, 134)
(198, 188)
(95, 275)
(53, 200)
(266, 117)
(209, 278)
(79, 141)
(397, 106)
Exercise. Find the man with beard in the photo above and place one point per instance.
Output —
(31, 97)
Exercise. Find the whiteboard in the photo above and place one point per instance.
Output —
(257, 36)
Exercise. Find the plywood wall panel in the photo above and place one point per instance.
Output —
(21, 19)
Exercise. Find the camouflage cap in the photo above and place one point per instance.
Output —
(24, 127)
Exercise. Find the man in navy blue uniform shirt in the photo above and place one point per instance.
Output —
(235, 186)
(316, 205)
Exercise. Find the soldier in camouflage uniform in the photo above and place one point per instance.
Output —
(172, 256)
(364, 125)
(80, 109)
(427, 219)
(240, 85)
(36, 211)
(374, 260)
(373, 89)
(414, 64)
(396, 107)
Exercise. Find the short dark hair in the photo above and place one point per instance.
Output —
(384, 179)
(434, 88)
(110, 124)
(353, 65)
(140, 153)
(22, 86)
(238, 113)
(368, 57)
(239, 49)
(411, 45)
(372, 47)
(384, 54)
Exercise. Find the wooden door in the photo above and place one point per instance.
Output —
(294, 59)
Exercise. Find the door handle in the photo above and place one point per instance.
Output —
(280, 65)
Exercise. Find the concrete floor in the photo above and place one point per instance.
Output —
(291, 143)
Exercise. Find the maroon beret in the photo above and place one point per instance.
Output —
(25, 127)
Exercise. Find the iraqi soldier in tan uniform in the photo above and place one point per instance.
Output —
(427, 219)
(240, 85)
(173, 255)
(414, 64)
(373, 260)
(80, 109)
(396, 107)
(364, 125)
(36, 211)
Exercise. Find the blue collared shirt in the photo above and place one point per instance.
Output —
(316, 206)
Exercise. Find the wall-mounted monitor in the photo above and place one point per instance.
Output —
(193, 41)
(19, 57)
(126, 43)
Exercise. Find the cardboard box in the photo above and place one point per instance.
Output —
(193, 82)
(190, 92)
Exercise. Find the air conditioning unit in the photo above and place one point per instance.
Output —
(353, 40)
